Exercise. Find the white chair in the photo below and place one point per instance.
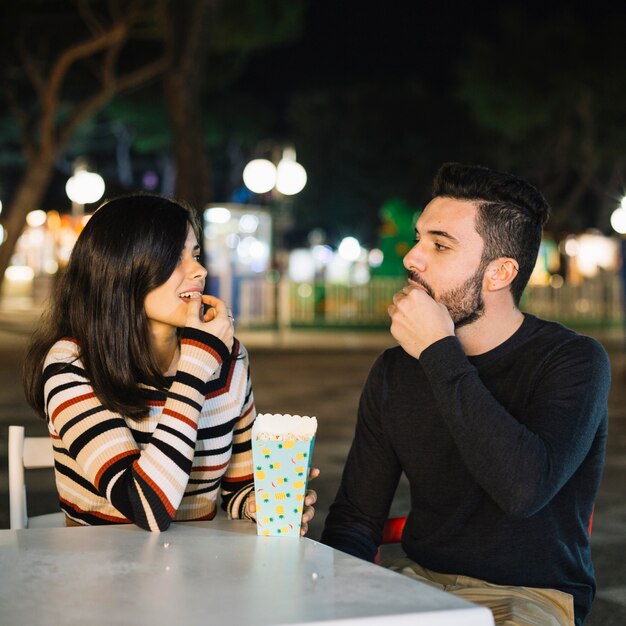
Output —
(28, 453)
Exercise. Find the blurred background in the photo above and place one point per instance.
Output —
(306, 136)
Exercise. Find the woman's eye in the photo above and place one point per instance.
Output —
(198, 258)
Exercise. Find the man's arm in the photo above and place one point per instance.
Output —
(370, 478)
(522, 464)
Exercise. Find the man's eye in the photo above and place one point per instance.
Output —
(439, 247)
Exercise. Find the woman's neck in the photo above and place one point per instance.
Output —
(166, 351)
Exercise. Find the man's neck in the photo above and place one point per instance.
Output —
(490, 330)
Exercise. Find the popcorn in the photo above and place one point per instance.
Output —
(282, 445)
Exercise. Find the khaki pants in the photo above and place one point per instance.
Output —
(511, 606)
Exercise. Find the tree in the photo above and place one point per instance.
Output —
(50, 99)
(548, 89)
(208, 44)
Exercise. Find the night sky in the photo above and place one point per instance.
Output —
(369, 93)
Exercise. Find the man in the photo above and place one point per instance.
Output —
(497, 418)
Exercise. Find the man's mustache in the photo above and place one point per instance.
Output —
(420, 281)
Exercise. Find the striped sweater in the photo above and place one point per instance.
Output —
(167, 466)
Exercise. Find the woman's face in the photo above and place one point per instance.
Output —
(166, 306)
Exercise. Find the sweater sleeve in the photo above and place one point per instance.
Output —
(370, 478)
(522, 463)
(147, 485)
(238, 480)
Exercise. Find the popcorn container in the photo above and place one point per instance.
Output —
(282, 445)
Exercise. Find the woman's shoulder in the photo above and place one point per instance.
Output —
(64, 350)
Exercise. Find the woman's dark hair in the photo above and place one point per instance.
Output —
(510, 218)
(130, 246)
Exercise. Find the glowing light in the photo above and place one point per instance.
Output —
(248, 223)
(305, 290)
(19, 273)
(618, 219)
(323, 254)
(290, 177)
(50, 266)
(232, 240)
(571, 246)
(84, 187)
(301, 266)
(0, 206)
(36, 218)
(218, 215)
(259, 175)
(595, 251)
(376, 257)
(556, 281)
(349, 249)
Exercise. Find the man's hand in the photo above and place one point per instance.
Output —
(417, 321)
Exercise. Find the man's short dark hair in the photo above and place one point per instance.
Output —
(510, 218)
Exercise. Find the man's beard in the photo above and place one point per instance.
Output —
(464, 303)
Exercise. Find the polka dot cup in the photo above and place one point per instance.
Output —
(281, 451)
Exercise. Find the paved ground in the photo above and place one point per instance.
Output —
(322, 374)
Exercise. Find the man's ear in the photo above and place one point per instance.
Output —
(500, 273)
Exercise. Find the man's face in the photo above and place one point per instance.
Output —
(446, 258)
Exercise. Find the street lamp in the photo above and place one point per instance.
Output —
(618, 218)
(280, 182)
(288, 177)
(84, 187)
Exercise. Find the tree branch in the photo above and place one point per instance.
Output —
(93, 104)
(88, 16)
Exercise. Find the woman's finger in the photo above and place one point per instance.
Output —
(314, 472)
(218, 305)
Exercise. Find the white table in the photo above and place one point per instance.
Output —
(206, 573)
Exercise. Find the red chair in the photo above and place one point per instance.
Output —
(593, 508)
(392, 533)
(392, 530)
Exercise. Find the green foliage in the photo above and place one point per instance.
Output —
(548, 88)
(247, 25)
(148, 119)
(396, 235)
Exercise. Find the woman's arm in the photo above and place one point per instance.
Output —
(147, 485)
(238, 480)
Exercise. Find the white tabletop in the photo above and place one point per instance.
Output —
(217, 572)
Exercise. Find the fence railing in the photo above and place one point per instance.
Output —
(594, 301)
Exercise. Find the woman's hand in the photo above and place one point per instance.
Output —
(217, 319)
(309, 500)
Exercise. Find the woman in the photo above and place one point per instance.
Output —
(147, 395)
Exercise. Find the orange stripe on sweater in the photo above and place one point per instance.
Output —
(202, 346)
(111, 461)
(157, 490)
(70, 402)
(208, 468)
(226, 387)
(108, 518)
(181, 417)
(236, 479)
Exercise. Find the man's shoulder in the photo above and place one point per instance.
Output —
(552, 337)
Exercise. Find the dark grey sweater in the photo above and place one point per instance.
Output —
(503, 453)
